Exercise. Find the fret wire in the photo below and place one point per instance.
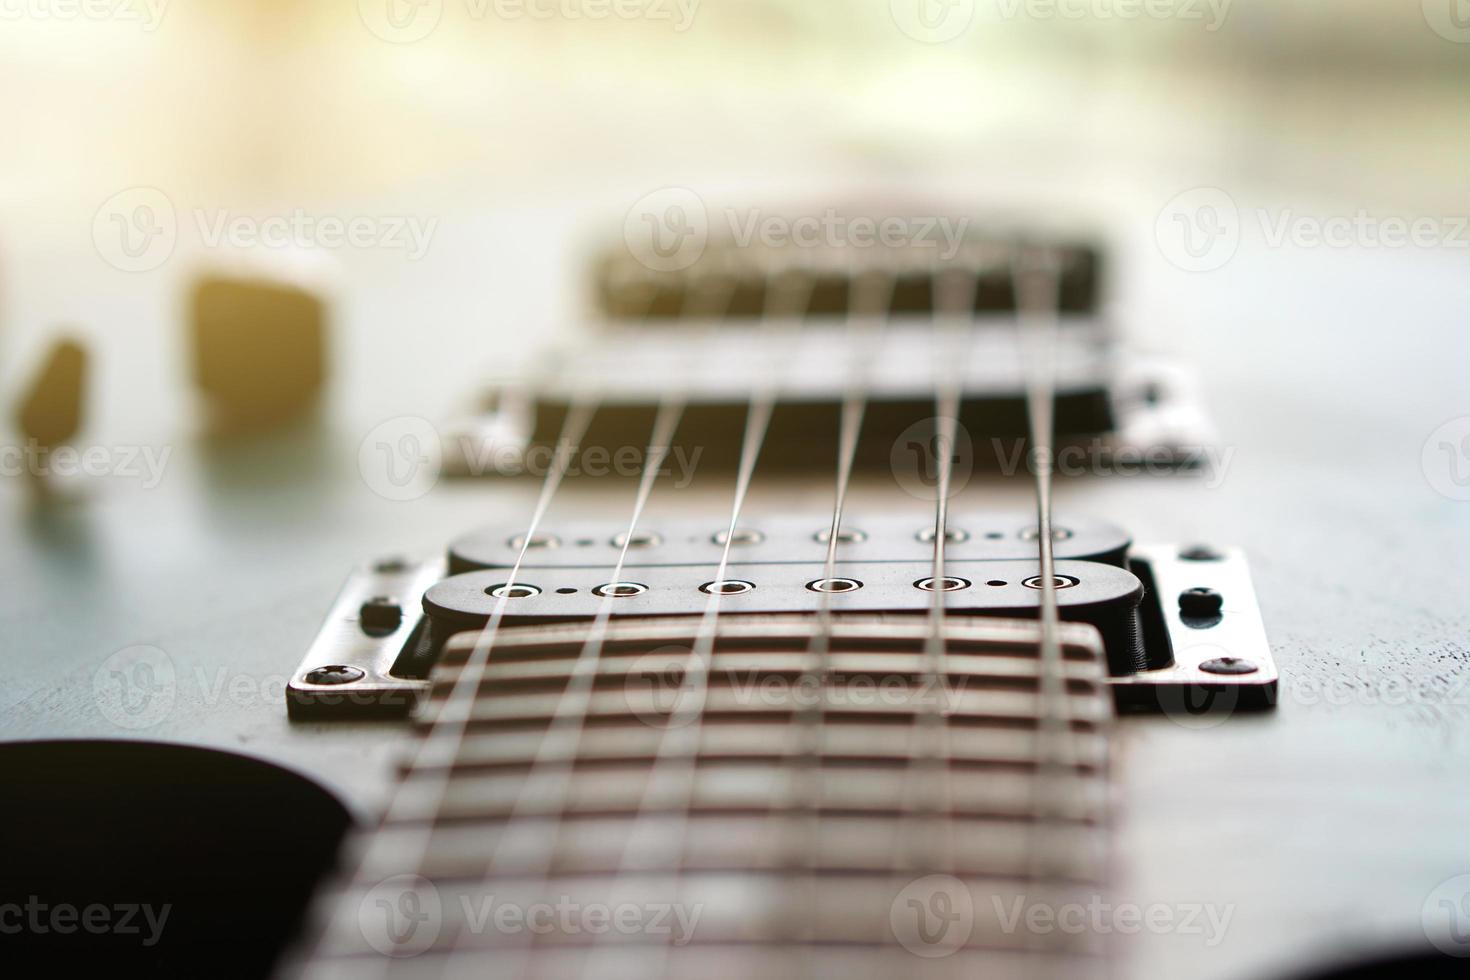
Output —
(870, 302)
(758, 418)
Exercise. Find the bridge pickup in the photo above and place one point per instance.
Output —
(1180, 627)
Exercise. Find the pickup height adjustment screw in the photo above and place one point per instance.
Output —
(1228, 665)
(335, 674)
(1201, 603)
(380, 616)
(1200, 552)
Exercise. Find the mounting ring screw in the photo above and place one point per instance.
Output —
(335, 675)
(380, 616)
(1201, 603)
(392, 566)
(1229, 665)
(1200, 552)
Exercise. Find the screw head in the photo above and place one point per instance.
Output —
(1200, 552)
(335, 675)
(1201, 603)
(392, 566)
(1229, 665)
(380, 616)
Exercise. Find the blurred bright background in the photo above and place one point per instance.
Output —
(524, 140)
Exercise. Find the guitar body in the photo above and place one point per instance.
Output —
(1309, 837)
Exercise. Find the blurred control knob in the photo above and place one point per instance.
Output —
(259, 350)
(51, 412)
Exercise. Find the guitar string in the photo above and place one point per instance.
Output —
(684, 726)
(436, 753)
(452, 719)
(455, 709)
(708, 299)
(869, 307)
(549, 777)
(1036, 285)
(758, 422)
(930, 804)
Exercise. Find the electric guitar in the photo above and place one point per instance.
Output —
(761, 648)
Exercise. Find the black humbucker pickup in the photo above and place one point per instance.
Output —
(1113, 401)
(1180, 626)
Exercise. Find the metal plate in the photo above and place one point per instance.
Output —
(1237, 635)
(343, 642)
